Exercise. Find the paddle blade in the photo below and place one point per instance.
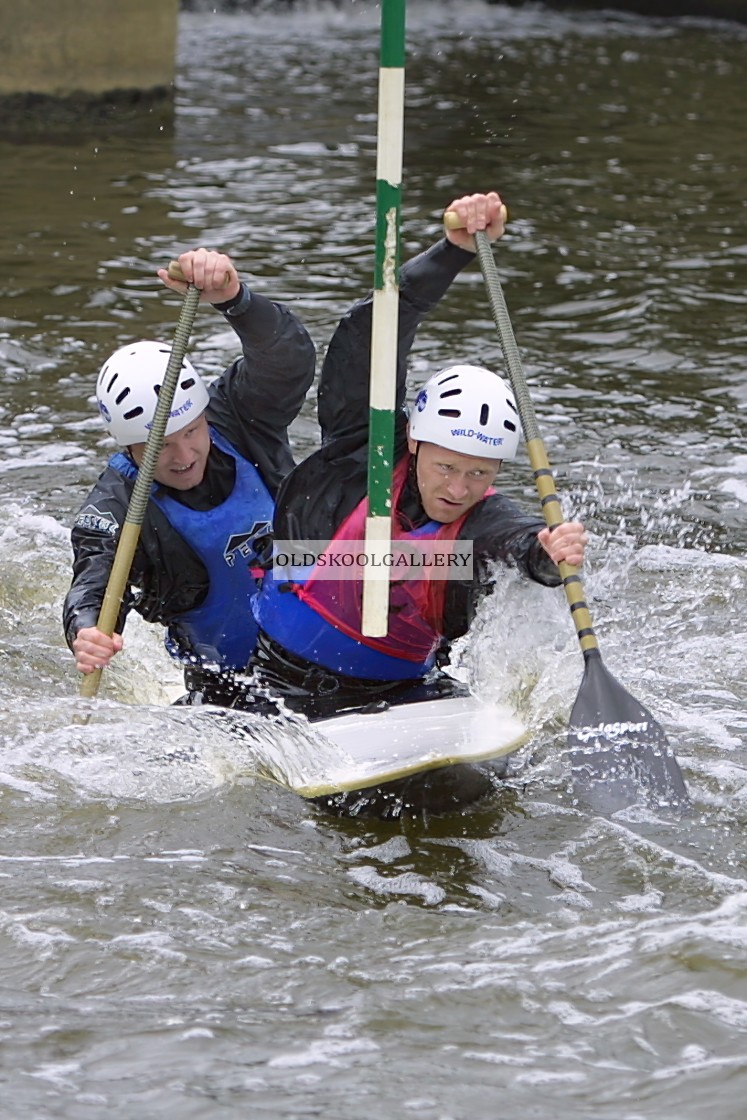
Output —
(617, 747)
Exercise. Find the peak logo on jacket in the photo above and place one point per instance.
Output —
(95, 520)
(243, 544)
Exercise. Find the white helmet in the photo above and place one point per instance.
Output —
(127, 392)
(467, 409)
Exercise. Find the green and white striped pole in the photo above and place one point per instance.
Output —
(382, 393)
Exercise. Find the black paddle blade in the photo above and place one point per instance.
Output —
(617, 747)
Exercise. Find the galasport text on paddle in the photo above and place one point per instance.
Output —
(133, 522)
(616, 745)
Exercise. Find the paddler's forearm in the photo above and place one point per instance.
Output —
(278, 364)
(426, 278)
(343, 389)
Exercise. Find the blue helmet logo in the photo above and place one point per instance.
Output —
(422, 400)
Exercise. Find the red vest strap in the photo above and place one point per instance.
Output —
(416, 606)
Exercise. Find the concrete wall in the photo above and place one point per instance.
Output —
(60, 47)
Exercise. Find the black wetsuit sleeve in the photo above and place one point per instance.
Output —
(262, 392)
(502, 534)
(94, 538)
(343, 385)
(166, 579)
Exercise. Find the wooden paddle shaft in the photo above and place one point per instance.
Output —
(130, 534)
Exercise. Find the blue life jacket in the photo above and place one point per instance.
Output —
(302, 631)
(221, 632)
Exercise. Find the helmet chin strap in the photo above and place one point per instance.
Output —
(413, 469)
(130, 452)
(412, 474)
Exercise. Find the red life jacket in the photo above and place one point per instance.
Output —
(416, 605)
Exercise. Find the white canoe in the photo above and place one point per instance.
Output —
(368, 748)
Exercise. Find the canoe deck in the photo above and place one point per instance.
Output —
(373, 747)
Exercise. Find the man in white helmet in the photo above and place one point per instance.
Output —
(225, 453)
(463, 426)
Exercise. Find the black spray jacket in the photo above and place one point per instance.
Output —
(320, 492)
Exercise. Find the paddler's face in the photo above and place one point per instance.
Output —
(450, 483)
(183, 457)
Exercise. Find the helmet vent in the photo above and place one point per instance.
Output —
(133, 413)
(484, 414)
(187, 383)
(451, 393)
(452, 413)
(123, 395)
(509, 426)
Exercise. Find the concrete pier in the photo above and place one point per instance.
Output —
(86, 46)
(73, 66)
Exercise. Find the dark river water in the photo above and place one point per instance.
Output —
(192, 940)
